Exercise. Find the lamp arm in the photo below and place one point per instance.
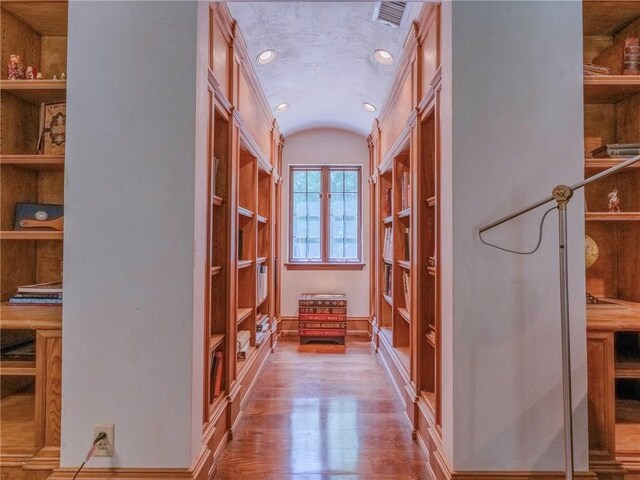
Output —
(550, 198)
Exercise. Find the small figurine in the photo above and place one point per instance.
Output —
(63, 76)
(31, 73)
(614, 201)
(55, 77)
(15, 68)
(39, 76)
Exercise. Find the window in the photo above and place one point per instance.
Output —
(325, 215)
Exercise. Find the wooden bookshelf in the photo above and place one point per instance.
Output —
(612, 110)
(30, 443)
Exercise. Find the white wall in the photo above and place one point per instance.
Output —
(129, 332)
(514, 131)
(325, 147)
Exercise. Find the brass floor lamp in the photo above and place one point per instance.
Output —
(561, 195)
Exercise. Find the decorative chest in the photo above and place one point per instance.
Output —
(322, 317)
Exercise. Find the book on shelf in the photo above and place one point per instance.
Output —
(406, 287)
(262, 322)
(387, 280)
(616, 150)
(262, 282)
(215, 163)
(24, 351)
(387, 202)
(405, 190)
(215, 375)
(387, 245)
(243, 338)
(49, 287)
(407, 244)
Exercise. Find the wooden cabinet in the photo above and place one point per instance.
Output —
(31, 390)
(612, 110)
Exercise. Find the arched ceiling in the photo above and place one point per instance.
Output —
(324, 66)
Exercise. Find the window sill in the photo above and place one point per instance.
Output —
(323, 266)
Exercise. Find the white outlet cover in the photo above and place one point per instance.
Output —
(106, 446)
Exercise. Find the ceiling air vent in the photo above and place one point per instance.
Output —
(389, 13)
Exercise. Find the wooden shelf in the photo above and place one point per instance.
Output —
(36, 91)
(216, 270)
(242, 314)
(388, 299)
(404, 264)
(431, 201)
(33, 317)
(262, 220)
(431, 271)
(244, 263)
(387, 261)
(261, 260)
(18, 368)
(404, 313)
(405, 213)
(610, 88)
(31, 235)
(214, 341)
(260, 302)
(216, 200)
(612, 217)
(598, 164)
(430, 399)
(48, 18)
(18, 422)
(34, 162)
(243, 212)
(388, 220)
(628, 368)
(613, 315)
(243, 363)
(404, 353)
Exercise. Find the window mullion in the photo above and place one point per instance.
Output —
(324, 213)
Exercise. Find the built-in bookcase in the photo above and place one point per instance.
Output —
(219, 183)
(30, 403)
(427, 303)
(612, 115)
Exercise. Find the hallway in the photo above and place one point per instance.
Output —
(316, 416)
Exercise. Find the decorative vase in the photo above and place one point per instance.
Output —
(15, 68)
(32, 73)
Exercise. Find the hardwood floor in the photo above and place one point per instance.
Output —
(319, 413)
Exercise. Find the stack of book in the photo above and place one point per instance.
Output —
(387, 245)
(405, 190)
(262, 283)
(617, 150)
(631, 59)
(243, 342)
(591, 70)
(38, 294)
(262, 322)
(322, 317)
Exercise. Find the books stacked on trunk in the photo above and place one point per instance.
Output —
(243, 342)
(38, 294)
(617, 150)
(322, 317)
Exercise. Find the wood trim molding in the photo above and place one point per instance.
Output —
(519, 476)
(324, 266)
(198, 472)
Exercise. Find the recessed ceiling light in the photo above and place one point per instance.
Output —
(369, 107)
(283, 107)
(383, 57)
(266, 56)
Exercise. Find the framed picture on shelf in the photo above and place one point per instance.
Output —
(53, 122)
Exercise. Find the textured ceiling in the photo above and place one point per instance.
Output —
(324, 66)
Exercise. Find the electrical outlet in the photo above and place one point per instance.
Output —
(106, 445)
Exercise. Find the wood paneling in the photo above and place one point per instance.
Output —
(250, 107)
(18, 39)
(393, 125)
(220, 53)
(601, 396)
